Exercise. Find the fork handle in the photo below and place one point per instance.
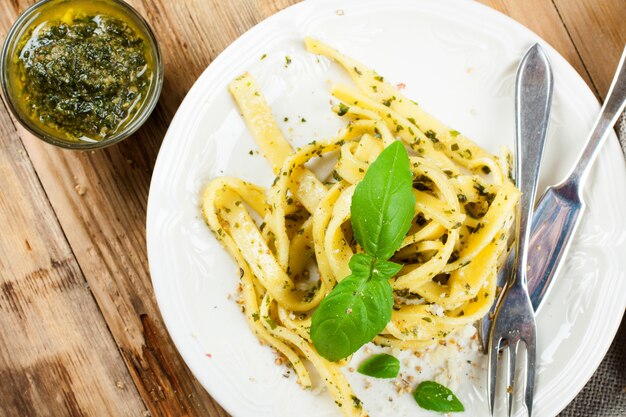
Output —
(533, 97)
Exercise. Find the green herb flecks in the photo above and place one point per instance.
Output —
(84, 78)
(430, 134)
(380, 366)
(343, 109)
(360, 306)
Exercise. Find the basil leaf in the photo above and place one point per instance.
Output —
(361, 264)
(383, 203)
(365, 266)
(385, 269)
(380, 366)
(355, 311)
(435, 397)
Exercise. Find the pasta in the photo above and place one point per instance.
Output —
(464, 208)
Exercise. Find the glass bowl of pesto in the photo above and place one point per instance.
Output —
(81, 74)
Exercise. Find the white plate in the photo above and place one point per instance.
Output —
(458, 60)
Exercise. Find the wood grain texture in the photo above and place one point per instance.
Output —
(598, 28)
(96, 203)
(542, 17)
(100, 200)
(57, 357)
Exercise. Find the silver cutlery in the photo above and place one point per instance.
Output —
(559, 210)
(514, 319)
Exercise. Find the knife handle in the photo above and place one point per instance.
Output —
(611, 110)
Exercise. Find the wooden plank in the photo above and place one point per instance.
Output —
(598, 28)
(542, 17)
(100, 199)
(57, 357)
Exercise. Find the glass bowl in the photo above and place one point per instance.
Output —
(52, 9)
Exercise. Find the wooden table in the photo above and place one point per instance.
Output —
(80, 331)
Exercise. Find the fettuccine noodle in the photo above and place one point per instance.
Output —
(464, 208)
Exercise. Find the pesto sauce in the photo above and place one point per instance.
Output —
(84, 78)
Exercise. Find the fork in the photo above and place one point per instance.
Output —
(514, 319)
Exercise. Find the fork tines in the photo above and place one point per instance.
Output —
(507, 331)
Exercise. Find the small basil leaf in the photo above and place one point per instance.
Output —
(380, 366)
(385, 269)
(383, 203)
(364, 265)
(361, 264)
(355, 311)
(435, 397)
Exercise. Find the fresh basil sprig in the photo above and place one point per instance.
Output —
(365, 265)
(435, 397)
(380, 366)
(360, 306)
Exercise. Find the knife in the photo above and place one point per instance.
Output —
(560, 209)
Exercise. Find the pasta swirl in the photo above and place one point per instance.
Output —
(464, 208)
